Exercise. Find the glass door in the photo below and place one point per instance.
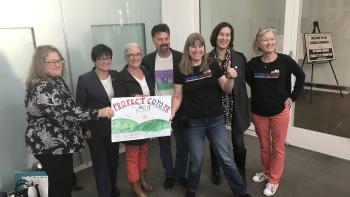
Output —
(321, 120)
(246, 17)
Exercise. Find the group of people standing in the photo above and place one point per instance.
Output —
(208, 90)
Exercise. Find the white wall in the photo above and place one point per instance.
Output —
(15, 59)
(182, 16)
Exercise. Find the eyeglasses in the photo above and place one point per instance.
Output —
(264, 30)
(55, 62)
(104, 59)
(134, 56)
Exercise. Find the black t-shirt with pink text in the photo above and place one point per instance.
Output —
(201, 92)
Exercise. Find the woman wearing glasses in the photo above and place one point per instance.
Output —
(95, 89)
(269, 76)
(53, 133)
(134, 80)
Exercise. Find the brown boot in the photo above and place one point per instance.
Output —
(137, 190)
(144, 184)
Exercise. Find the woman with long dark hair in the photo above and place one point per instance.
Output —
(236, 104)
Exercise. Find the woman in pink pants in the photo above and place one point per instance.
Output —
(269, 76)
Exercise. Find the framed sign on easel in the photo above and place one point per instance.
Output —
(319, 49)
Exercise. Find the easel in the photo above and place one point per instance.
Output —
(315, 24)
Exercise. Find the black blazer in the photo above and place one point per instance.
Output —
(241, 116)
(241, 111)
(127, 86)
(91, 94)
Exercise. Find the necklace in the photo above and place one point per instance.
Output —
(268, 59)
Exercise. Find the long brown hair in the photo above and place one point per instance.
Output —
(36, 70)
(186, 64)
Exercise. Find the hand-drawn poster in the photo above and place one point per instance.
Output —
(140, 117)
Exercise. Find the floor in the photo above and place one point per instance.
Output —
(306, 173)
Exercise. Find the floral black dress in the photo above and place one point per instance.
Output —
(53, 119)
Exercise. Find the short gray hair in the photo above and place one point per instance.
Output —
(127, 47)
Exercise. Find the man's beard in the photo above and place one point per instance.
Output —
(164, 48)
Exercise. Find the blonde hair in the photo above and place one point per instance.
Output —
(36, 70)
(261, 32)
(186, 64)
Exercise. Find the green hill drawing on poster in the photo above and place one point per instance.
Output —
(122, 125)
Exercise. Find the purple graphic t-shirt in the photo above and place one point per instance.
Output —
(164, 75)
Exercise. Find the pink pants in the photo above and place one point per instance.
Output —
(272, 133)
(136, 160)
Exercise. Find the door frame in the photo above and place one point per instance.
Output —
(304, 138)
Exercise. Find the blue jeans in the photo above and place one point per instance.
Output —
(181, 159)
(214, 129)
(238, 146)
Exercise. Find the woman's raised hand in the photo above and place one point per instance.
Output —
(231, 72)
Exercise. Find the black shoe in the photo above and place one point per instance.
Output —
(215, 177)
(115, 192)
(168, 183)
(183, 182)
(245, 195)
(78, 187)
(190, 194)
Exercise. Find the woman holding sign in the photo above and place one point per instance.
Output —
(95, 89)
(269, 77)
(134, 80)
(198, 86)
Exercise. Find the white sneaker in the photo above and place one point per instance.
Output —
(259, 177)
(270, 189)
